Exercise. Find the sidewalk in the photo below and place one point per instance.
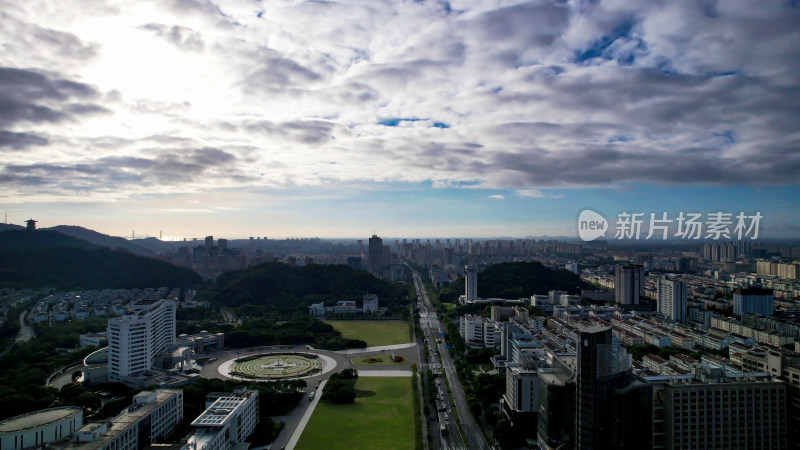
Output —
(375, 349)
(385, 373)
(302, 425)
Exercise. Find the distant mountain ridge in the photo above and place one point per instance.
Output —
(49, 258)
(105, 240)
(23, 240)
(10, 226)
(91, 236)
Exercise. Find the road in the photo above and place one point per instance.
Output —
(432, 325)
(26, 332)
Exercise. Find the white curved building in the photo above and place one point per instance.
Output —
(38, 428)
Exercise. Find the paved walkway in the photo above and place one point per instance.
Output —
(384, 373)
(304, 421)
(379, 348)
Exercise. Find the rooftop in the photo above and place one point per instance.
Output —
(37, 418)
(126, 419)
(218, 413)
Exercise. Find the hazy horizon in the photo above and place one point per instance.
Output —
(413, 118)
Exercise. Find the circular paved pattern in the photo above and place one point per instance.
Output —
(276, 366)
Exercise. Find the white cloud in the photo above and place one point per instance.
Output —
(131, 93)
(497, 197)
(535, 193)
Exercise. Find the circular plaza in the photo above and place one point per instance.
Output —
(277, 366)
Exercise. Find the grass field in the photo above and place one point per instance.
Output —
(384, 359)
(374, 332)
(382, 419)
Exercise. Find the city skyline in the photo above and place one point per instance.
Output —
(421, 119)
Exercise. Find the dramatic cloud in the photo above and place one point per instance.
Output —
(113, 99)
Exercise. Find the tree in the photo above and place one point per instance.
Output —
(638, 351)
(349, 374)
(666, 352)
(474, 405)
(338, 390)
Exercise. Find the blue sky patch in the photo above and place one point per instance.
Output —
(395, 121)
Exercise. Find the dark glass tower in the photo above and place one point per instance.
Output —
(602, 368)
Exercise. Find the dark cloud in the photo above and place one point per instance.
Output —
(31, 96)
(108, 174)
(18, 141)
(278, 73)
(532, 23)
(305, 131)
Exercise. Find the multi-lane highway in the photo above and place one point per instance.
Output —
(447, 429)
(434, 329)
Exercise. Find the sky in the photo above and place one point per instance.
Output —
(407, 118)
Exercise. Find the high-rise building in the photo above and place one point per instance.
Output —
(786, 366)
(198, 254)
(629, 284)
(603, 366)
(672, 299)
(209, 243)
(375, 254)
(135, 338)
(753, 300)
(714, 409)
(471, 283)
(386, 260)
(572, 266)
(223, 245)
(354, 262)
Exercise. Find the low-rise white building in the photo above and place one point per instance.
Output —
(477, 331)
(227, 421)
(153, 415)
(39, 428)
(96, 339)
(569, 300)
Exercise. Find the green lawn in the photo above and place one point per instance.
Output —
(384, 359)
(374, 332)
(382, 419)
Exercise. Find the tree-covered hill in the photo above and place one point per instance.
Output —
(284, 289)
(23, 240)
(49, 258)
(514, 280)
(105, 240)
